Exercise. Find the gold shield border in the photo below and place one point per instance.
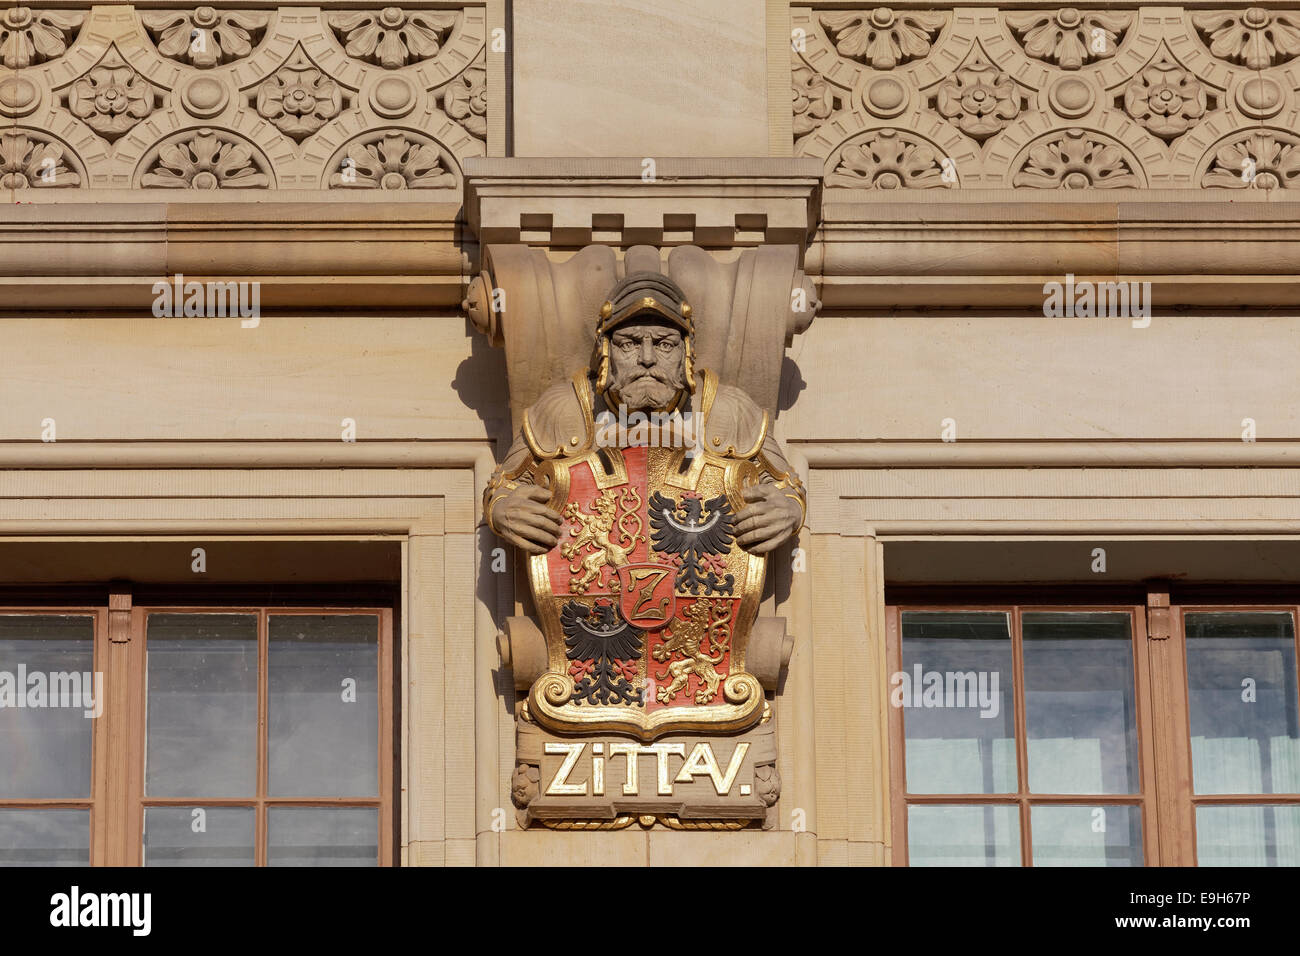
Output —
(549, 699)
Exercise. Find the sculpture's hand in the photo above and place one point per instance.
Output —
(770, 519)
(523, 519)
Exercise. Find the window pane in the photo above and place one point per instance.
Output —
(956, 692)
(198, 836)
(1080, 703)
(1248, 836)
(1086, 836)
(347, 836)
(1241, 683)
(47, 688)
(324, 701)
(44, 837)
(202, 705)
(963, 836)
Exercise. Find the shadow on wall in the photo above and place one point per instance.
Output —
(480, 382)
(792, 384)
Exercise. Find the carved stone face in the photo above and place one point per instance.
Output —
(647, 364)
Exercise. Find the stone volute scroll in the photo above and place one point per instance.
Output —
(646, 490)
(757, 302)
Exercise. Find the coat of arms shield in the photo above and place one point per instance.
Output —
(647, 602)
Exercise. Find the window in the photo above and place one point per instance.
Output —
(1245, 735)
(48, 785)
(218, 736)
(1096, 735)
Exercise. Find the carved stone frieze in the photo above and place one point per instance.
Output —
(979, 98)
(1271, 160)
(1166, 99)
(882, 37)
(1255, 37)
(393, 37)
(30, 160)
(888, 159)
(29, 37)
(112, 97)
(393, 161)
(247, 97)
(205, 37)
(205, 159)
(1068, 37)
(299, 98)
(1113, 96)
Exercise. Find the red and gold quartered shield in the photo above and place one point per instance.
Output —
(647, 601)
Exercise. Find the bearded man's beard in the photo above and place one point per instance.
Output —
(652, 389)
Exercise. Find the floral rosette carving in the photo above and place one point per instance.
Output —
(1260, 160)
(979, 99)
(1254, 37)
(299, 98)
(111, 98)
(1076, 161)
(465, 100)
(812, 98)
(392, 37)
(395, 161)
(889, 160)
(1069, 37)
(26, 161)
(205, 37)
(883, 38)
(28, 38)
(206, 160)
(1165, 99)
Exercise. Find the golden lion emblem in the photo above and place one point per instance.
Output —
(704, 619)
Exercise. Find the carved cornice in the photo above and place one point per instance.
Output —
(306, 255)
(1106, 97)
(995, 249)
(713, 203)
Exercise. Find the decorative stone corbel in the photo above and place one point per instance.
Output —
(731, 233)
(555, 239)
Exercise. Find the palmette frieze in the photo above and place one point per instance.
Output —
(204, 97)
(28, 37)
(205, 37)
(1104, 97)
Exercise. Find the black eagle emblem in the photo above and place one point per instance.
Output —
(696, 531)
(601, 635)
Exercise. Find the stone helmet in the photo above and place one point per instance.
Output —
(641, 295)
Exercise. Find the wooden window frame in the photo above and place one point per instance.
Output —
(96, 802)
(1188, 794)
(1167, 798)
(1023, 799)
(117, 801)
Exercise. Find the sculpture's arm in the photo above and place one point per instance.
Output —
(777, 472)
(777, 504)
(515, 507)
(515, 469)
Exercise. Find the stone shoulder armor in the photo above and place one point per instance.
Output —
(734, 425)
(560, 423)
